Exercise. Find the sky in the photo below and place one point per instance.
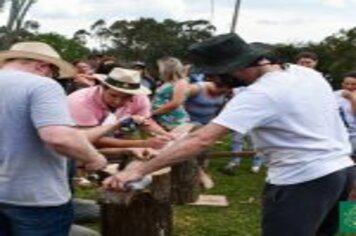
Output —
(269, 21)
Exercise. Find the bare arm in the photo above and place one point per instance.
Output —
(194, 89)
(154, 142)
(97, 132)
(178, 98)
(186, 148)
(108, 142)
(152, 126)
(73, 144)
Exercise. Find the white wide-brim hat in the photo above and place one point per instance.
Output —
(124, 80)
(38, 51)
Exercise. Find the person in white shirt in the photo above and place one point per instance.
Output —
(346, 98)
(291, 113)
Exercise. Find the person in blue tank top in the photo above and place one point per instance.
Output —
(205, 101)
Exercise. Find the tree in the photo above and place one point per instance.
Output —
(81, 36)
(338, 53)
(101, 33)
(14, 29)
(146, 39)
(69, 49)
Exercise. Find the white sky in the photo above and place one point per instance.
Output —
(270, 21)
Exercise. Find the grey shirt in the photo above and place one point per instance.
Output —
(31, 174)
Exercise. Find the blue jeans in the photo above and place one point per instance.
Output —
(35, 221)
(236, 146)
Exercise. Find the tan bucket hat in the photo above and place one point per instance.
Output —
(124, 80)
(38, 51)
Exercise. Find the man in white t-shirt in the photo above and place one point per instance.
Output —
(292, 116)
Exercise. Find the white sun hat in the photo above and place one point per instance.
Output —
(38, 51)
(124, 80)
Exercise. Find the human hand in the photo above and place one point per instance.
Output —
(143, 153)
(159, 142)
(119, 181)
(85, 80)
(140, 120)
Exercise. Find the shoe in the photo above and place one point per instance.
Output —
(205, 180)
(229, 169)
(255, 169)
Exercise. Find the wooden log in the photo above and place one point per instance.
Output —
(185, 185)
(143, 213)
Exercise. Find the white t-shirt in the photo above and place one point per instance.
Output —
(348, 115)
(293, 119)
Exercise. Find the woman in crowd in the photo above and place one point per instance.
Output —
(168, 102)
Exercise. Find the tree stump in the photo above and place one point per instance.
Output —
(185, 176)
(185, 186)
(143, 213)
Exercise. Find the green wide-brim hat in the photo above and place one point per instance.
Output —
(222, 54)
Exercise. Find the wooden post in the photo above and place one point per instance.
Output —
(185, 185)
(143, 213)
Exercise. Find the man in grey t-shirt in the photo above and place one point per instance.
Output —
(35, 137)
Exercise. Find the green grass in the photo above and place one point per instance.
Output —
(241, 217)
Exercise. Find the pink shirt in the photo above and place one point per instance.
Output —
(88, 109)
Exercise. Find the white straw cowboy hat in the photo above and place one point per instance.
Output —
(38, 51)
(124, 80)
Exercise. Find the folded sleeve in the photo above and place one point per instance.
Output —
(247, 111)
(48, 106)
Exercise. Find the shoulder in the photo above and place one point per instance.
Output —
(195, 88)
(82, 95)
(140, 100)
(181, 84)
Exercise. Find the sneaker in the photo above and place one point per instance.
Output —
(205, 180)
(255, 169)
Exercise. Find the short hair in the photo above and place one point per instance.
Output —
(106, 68)
(350, 74)
(306, 54)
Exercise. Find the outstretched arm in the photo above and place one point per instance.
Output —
(94, 133)
(182, 150)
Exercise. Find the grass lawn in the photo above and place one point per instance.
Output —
(241, 217)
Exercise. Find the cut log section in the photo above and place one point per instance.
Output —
(143, 213)
(185, 186)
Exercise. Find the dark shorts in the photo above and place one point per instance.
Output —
(307, 208)
(35, 221)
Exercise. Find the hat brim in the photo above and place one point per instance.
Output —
(228, 66)
(140, 91)
(66, 70)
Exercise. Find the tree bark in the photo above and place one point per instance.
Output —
(145, 213)
(185, 182)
